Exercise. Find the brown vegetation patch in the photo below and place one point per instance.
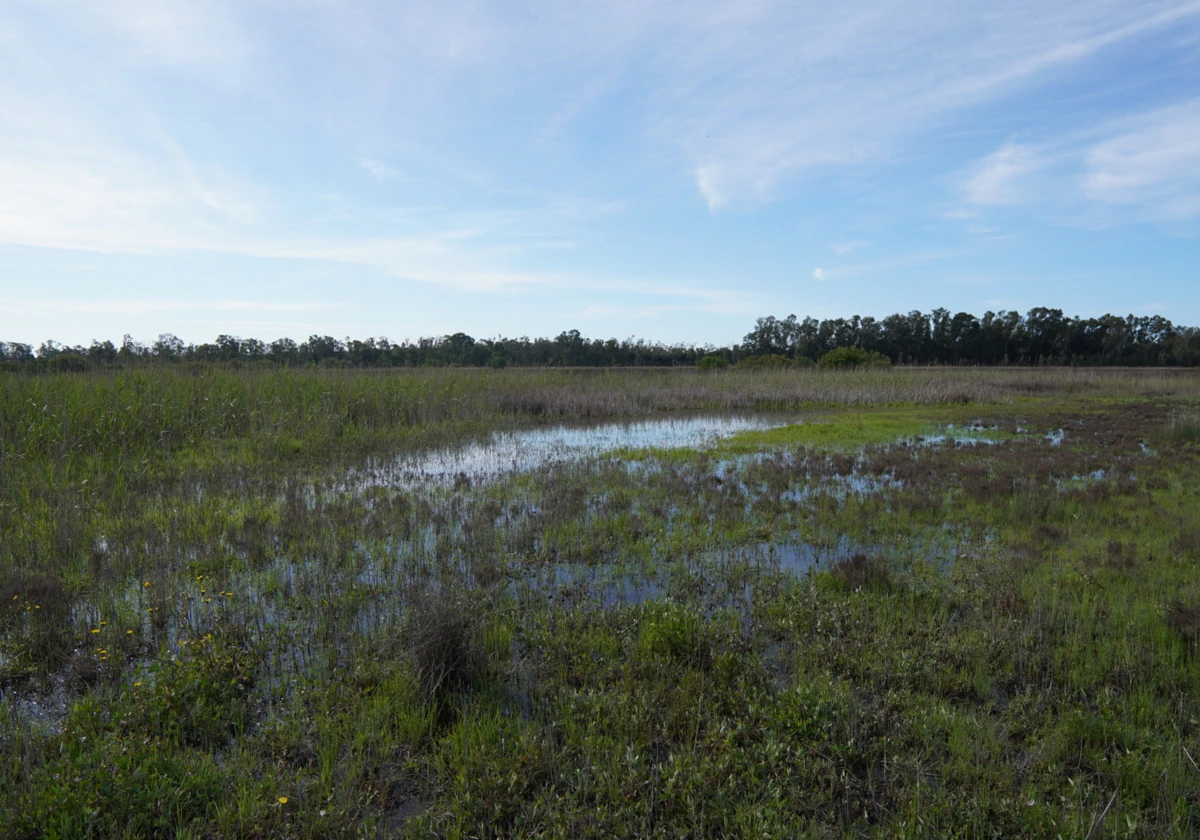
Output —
(1184, 620)
(861, 571)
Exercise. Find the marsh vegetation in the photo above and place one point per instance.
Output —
(291, 603)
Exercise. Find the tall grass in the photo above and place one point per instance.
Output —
(1185, 423)
(137, 414)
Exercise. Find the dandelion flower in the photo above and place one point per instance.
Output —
(146, 584)
(283, 800)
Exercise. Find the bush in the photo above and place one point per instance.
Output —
(853, 357)
(771, 362)
(712, 363)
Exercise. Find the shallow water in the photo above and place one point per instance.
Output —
(507, 453)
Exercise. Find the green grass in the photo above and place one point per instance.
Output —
(211, 626)
(851, 430)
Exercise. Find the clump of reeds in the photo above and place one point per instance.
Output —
(43, 591)
(862, 571)
(444, 640)
(1184, 424)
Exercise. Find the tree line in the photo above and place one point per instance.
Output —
(1040, 337)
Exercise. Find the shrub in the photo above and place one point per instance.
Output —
(712, 363)
(198, 698)
(771, 362)
(853, 357)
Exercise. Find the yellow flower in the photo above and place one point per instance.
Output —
(137, 685)
(283, 800)
(146, 584)
(128, 632)
(95, 629)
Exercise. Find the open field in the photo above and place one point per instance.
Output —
(902, 603)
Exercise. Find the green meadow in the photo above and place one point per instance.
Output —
(474, 603)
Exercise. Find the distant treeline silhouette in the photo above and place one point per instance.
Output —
(1040, 337)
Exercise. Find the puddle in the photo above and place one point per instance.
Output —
(507, 453)
(963, 435)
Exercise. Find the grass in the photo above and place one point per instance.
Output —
(211, 625)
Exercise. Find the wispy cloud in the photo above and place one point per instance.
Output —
(1153, 163)
(845, 84)
(1148, 163)
(843, 248)
(379, 169)
(1002, 176)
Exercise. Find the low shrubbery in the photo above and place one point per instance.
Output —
(853, 357)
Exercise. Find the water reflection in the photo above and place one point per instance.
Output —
(506, 453)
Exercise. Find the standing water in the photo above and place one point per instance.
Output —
(505, 453)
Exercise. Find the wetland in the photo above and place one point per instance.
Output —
(521, 603)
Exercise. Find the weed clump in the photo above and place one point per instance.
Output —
(863, 572)
(35, 611)
(1187, 541)
(1185, 424)
(1184, 620)
(444, 639)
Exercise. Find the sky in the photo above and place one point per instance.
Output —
(665, 170)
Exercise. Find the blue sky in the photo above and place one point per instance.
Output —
(669, 170)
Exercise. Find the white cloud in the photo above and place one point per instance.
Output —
(1154, 163)
(843, 248)
(781, 89)
(1147, 165)
(379, 169)
(819, 275)
(1001, 177)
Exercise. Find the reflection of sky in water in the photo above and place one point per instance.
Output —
(531, 449)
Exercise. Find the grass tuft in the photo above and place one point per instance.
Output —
(1184, 620)
(861, 571)
(443, 636)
